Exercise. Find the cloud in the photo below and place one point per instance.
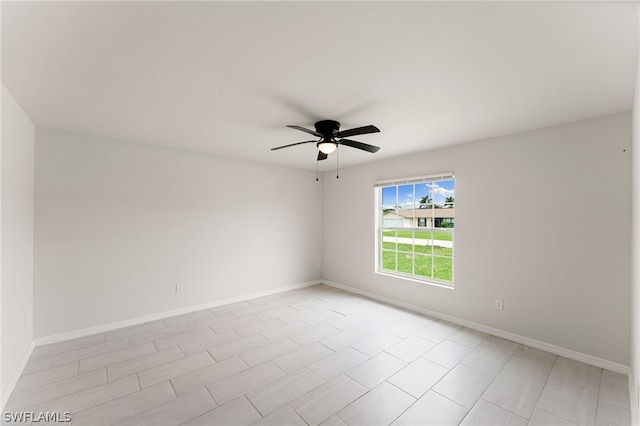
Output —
(406, 205)
(438, 190)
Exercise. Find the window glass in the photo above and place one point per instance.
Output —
(415, 232)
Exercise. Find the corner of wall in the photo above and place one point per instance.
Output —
(13, 381)
(634, 385)
(17, 144)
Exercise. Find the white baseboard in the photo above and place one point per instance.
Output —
(557, 350)
(166, 314)
(16, 375)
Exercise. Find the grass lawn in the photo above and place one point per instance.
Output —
(425, 235)
(418, 264)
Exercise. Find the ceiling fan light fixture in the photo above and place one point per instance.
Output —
(327, 147)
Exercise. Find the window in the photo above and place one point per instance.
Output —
(415, 228)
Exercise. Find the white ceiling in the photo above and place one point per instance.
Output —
(226, 77)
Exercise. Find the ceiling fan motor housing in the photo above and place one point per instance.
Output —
(327, 128)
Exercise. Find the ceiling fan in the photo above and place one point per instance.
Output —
(330, 137)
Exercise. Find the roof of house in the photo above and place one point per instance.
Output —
(425, 212)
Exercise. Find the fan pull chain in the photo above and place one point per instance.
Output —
(337, 162)
(317, 170)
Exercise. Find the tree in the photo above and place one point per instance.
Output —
(425, 200)
(448, 202)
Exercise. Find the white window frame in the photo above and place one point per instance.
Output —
(380, 228)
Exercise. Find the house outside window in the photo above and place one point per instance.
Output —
(415, 228)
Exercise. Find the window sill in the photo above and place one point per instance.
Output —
(433, 282)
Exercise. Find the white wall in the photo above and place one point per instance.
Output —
(18, 135)
(118, 224)
(634, 377)
(558, 252)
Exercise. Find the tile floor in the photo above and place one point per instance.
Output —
(314, 356)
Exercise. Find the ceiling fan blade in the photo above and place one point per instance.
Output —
(322, 156)
(312, 132)
(291, 144)
(357, 131)
(359, 145)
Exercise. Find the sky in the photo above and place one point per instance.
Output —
(406, 194)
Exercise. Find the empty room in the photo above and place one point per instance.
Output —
(320, 213)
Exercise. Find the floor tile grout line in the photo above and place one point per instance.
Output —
(483, 392)
(51, 355)
(545, 387)
(174, 388)
(129, 393)
(214, 400)
(68, 394)
(410, 405)
(522, 376)
(502, 408)
(300, 415)
(492, 381)
(253, 405)
(547, 381)
(291, 408)
(181, 351)
(58, 355)
(36, 388)
(446, 397)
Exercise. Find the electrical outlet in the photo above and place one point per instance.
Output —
(498, 304)
(179, 288)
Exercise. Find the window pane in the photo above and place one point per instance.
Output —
(443, 236)
(423, 241)
(442, 192)
(389, 196)
(443, 268)
(389, 260)
(405, 205)
(389, 240)
(405, 262)
(423, 265)
(423, 195)
(443, 251)
(443, 244)
(423, 235)
(407, 248)
(422, 248)
(389, 203)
